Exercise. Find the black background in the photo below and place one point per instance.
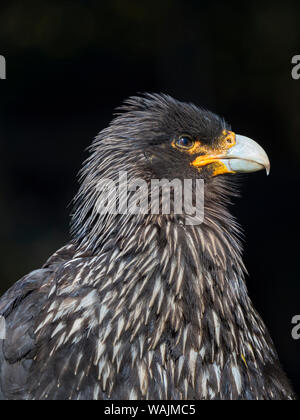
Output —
(69, 64)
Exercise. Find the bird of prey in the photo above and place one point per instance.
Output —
(144, 305)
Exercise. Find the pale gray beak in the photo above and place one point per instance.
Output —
(246, 156)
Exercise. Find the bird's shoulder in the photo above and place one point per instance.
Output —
(36, 280)
(19, 307)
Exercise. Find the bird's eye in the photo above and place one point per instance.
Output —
(185, 142)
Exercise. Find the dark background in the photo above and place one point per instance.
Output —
(69, 64)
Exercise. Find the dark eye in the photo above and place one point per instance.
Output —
(185, 142)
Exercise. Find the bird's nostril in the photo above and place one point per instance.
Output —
(230, 140)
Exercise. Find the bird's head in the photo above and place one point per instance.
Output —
(157, 137)
(179, 140)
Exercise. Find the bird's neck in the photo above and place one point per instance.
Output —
(178, 292)
(186, 283)
(183, 282)
(176, 282)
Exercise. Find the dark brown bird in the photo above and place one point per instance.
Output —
(141, 305)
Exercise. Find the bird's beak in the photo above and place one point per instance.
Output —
(234, 154)
(246, 156)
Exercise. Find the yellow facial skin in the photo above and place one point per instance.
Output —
(208, 155)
